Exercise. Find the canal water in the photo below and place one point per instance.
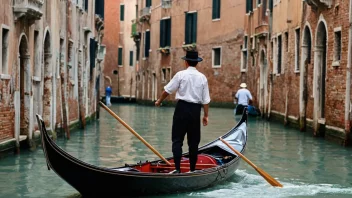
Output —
(306, 166)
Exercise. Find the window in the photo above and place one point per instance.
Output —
(37, 46)
(286, 39)
(165, 33)
(122, 12)
(169, 73)
(259, 2)
(86, 5)
(148, 3)
(131, 58)
(271, 49)
(4, 54)
(279, 54)
(249, 6)
(99, 8)
(163, 74)
(166, 4)
(120, 60)
(245, 42)
(147, 44)
(191, 28)
(217, 57)
(216, 9)
(297, 55)
(244, 60)
(337, 46)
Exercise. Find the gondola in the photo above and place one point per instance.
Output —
(216, 163)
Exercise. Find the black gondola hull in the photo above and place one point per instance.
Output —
(91, 180)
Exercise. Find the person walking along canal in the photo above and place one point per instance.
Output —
(192, 93)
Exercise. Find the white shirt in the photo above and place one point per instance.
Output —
(191, 86)
(243, 95)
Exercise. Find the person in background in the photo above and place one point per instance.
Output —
(243, 98)
(108, 92)
(192, 92)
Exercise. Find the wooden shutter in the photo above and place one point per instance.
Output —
(148, 3)
(120, 57)
(131, 58)
(168, 33)
(162, 33)
(188, 29)
(216, 9)
(122, 12)
(147, 44)
(194, 28)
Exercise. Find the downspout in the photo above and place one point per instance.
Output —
(348, 80)
(269, 60)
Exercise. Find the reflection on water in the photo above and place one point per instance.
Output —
(306, 166)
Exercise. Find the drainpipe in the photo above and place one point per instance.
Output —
(348, 80)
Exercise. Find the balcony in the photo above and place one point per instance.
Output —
(30, 9)
(319, 3)
(145, 14)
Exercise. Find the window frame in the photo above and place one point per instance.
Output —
(213, 57)
(6, 67)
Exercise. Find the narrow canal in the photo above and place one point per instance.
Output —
(306, 166)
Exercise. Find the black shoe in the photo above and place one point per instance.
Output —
(175, 172)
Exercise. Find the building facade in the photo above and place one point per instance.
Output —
(302, 58)
(122, 58)
(167, 29)
(51, 60)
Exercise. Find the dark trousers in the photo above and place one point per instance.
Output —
(240, 108)
(186, 120)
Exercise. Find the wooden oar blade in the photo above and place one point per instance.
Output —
(268, 178)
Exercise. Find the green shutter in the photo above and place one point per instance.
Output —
(216, 9)
(148, 3)
(122, 12)
(147, 44)
(168, 33)
(187, 28)
(120, 56)
(162, 33)
(194, 28)
(131, 58)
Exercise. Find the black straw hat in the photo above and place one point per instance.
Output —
(192, 56)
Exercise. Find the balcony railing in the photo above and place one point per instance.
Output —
(145, 12)
(317, 3)
(31, 9)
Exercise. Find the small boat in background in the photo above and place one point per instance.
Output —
(216, 162)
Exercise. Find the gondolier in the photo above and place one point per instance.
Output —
(192, 93)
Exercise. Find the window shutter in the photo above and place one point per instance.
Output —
(122, 12)
(162, 33)
(147, 44)
(188, 28)
(86, 5)
(216, 9)
(194, 28)
(120, 56)
(131, 58)
(148, 3)
(168, 33)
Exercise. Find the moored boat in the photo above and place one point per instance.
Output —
(216, 162)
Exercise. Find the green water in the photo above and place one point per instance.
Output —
(306, 166)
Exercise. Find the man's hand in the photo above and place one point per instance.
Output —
(205, 121)
(157, 103)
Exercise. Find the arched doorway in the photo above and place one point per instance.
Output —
(25, 87)
(305, 60)
(263, 83)
(320, 74)
(47, 95)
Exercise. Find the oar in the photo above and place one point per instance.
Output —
(266, 176)
(135, 133)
